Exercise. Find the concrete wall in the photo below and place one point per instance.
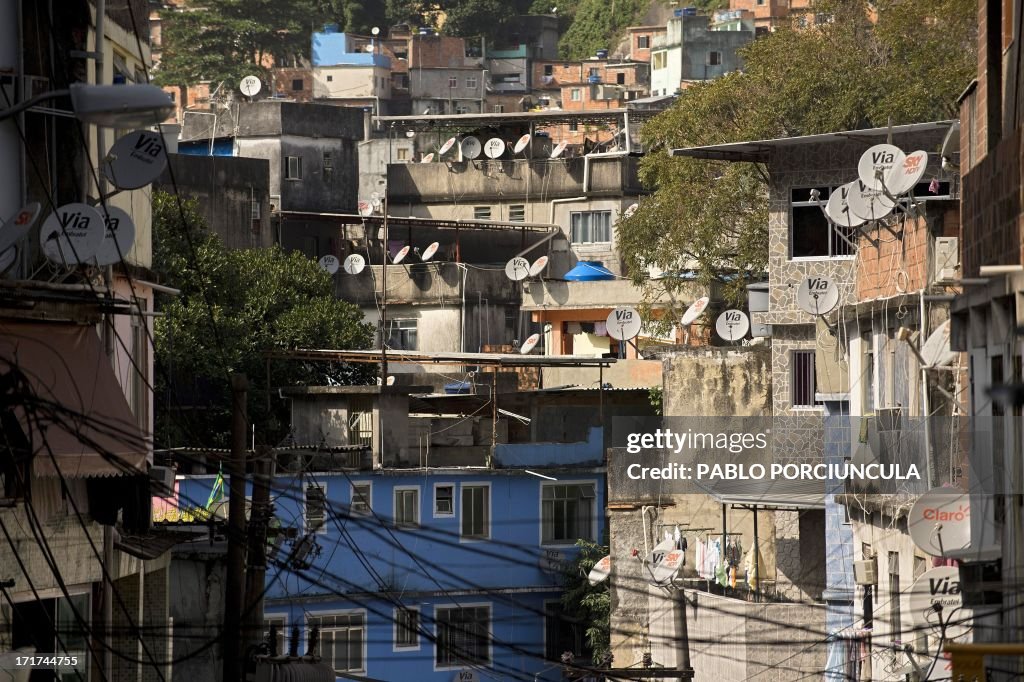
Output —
(319, 189)
(197, 582)
(420, 283)
(322, 414)
(374, 157)
(432, 88)
(351, 81)
(623, 374)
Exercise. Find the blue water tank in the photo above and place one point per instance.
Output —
(689, 11)
(589, 271)
(602, 54)
(458, 388)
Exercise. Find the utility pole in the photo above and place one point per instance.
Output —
(236, 531)
(682, 633)
(255, 577)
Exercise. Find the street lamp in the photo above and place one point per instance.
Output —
(120, 106)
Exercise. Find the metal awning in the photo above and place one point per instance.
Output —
(767, 494)
(72, 406)
(759, 150)
(537, 119)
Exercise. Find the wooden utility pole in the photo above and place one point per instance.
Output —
(236, 532)
(256, 573)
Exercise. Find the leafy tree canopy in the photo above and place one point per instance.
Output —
(234, 306)
(588, 606)
(909, 66)
(596, 24)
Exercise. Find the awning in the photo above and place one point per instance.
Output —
(74, 407)
(777, 494)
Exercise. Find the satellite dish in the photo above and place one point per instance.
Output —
(18, 225)
(118, 238)
(817, 295)
(466, 675)
(869, 204)
(400, 256)
(448, 144)
(521, 143)
(470, 147)
(623, 323)
(875, 163)
(936, 351)
(601, 570)
(375, 203)
(659, 553)
(668, 567)
(630, 210)
(365, 209)
(529, 344)
(940, 522)
(538, 266)
(410, 134)
(559, 148)
(695, 310)
(329, 264)
(732, 325)
(494, 147)
(375, 31)
(428, 158)
(8, 258)
(940, 586)
(354, 264)
(903, 177)
(136, 160)
(250, 86)
(391, 380)
(429, 252)
(837, 209)
(72, 234)
(517, 269)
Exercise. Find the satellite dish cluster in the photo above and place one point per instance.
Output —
(471, 148)
(356, 263)
(884, 174)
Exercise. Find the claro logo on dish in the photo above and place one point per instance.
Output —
(935, 514)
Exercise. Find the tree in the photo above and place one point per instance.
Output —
(841, 74)
(596, 24)
(234, 306)
(588, 605)
(477, 17)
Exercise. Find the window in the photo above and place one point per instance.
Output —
(714, 58)
(407, 628)
(462, 109)
(342, 640)
(407, 507)
(481, 213)
(659, 60)
(280, 641)
(293, 168)
(402, 334)
(471, 82)
(476, 503)
(868, 375)
(444, 500)
(517, 213)
(402, 154)
(453, 82)
(620, 78)
(254, 207)
(574, 95)
(360, 420)
(29, 624)
(895, 627)
(296, 84)
(328, 161)
(315, 509)
(567, 513)
(563, 633)
(593, 72)
(362, 495)
(463, 636)
(330, 79)
(812, 236)
(549, 69)
(590, 227)
(643, 42)
(803, 383)
(574, 127)
(498, 108)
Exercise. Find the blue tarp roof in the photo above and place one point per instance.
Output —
(589, 271)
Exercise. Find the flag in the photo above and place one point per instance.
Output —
(933, 186)
(217, 493)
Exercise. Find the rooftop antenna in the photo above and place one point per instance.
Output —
(72, 234)
(470, 147)
(118, 236)
(400, 256)
(354, 264)
(692, 313)
(838, 212)
(732, 325)
(624, 325)
(559, 148)
(250, 86)
(329, 264)
(517, 269)
(529, 344)
(818, 295)
(448, 144)
(494, 147)
(601, 571)
(521, 144)
(429, 252)
(538, 266)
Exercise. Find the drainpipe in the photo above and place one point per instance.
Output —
(925, 407)
(586, 166)
(462, 321)
(570, 199)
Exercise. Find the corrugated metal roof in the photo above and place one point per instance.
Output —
(774, 494)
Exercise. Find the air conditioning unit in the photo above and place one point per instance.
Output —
(865, 572)
(946, 261)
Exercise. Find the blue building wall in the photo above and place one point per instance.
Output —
(334, 49)
(589, 452)
(425, 566)
(839, 550)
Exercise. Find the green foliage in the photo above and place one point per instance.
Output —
(586, 603)
(234, 306)
(656, 397)
(596, 24)
(841, 75)
(477, 17)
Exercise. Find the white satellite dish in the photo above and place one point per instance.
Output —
(600, 572)
(869, 204)
(658, 554)
(837, 209)
(375, 203)
(72, 234)
(695, 310)
(136, 160)
(940, 522)
(329, 264)
(538, 266)
(400, 256)
(429, 252)
(118, 238)
(936, 351)
(494, 147)
(817, 295)
(623, 323)
(428, 158)
(529, 344)
(875, 163)
(732, 325)
(903, 177)
(448, 144)
(521, 143)
(517, 269)
(250, 86)
(8, 257)
(470, 147)
(668, 567)
(391, 380)
(365, 209)
(354, 264)
(18, 226)
(559, 148)
(630, 210)
(410, 134)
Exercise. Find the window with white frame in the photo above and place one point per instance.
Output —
(643, 42)
(444, 500)
(498, 108)
(590, 227)
(316, 507)
(407, 628)
(402, 334)
(476, 512)
(471, 82)
(407, 507)
(811, 234)
(575, 95)
(802, 378)
(481, 213)
(342, 640)
(463, 636)
(293, 168)
(362, 497)
(659, 60)
(360, 420)
(517, 213)
(714, 58)
(402, 154)
(567, 512)
(278, 625)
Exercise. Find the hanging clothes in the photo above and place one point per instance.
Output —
(754, 580)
